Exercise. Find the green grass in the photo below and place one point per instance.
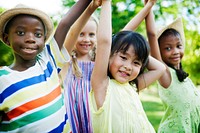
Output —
(152, 106)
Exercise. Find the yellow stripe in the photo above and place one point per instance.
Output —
(31, 92)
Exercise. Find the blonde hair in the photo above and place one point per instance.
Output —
(75, 67)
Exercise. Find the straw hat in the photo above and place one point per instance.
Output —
(177, 25)
(6, 16)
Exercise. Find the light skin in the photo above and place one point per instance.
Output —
(138, 18)
(171, 49)
(27, 35)
(68, 20)
(123, 67)
(86, 41)
(75, 32)
(80, 25)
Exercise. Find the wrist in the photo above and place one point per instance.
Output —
(106, 1)
(151, 3)
(93, 6)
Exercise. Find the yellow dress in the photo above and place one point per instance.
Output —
(122, 111)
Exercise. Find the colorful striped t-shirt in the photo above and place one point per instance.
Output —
(31, 101)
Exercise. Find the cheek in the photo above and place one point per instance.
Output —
(165, 54)
(111, 66)
(137, 69)
(182, 54)
(93, 41)
(79, 39)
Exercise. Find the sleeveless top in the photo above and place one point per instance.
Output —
(122, 111)
(76, 92)
(181, 101)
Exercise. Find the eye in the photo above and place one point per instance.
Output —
(123, 57)
(81, 35)
(168, 48)
(180, 46)
(91, 34)
(38, 35)
(20, 33)
(137, 62)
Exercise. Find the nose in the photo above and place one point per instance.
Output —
(86, 38)
(30, 38)
(128, 66)
(175, 51)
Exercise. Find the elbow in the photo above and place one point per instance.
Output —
(151, 34)
(163, 68)
(104, 40)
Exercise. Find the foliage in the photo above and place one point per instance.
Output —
(152, 105)
(165, 11)
(6, 56)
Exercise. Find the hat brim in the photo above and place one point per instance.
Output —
(9, 14)
(177, 25)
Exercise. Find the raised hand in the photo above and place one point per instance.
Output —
(150, 1)
(96, 3)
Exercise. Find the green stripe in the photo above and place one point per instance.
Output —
(32, 117)
(4, 72)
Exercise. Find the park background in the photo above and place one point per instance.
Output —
(165, 12)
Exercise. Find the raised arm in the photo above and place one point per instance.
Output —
(165, 79)
(136, 20)
(77, 27)
(104, 38)
(152, 36)
(155, 71)
(67, 21)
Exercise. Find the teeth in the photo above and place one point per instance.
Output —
(28, 48)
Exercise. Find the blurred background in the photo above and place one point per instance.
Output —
(122, 11)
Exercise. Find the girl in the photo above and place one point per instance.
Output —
(118, 71)
(179, 95)
(77, 79)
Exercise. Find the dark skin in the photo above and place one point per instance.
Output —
(67, 20)
(26, 37)
(27, 59)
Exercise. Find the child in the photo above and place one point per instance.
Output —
(179, 95)
(30, 92)
(77, 81)
(115, 104)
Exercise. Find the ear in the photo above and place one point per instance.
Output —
(5, 39)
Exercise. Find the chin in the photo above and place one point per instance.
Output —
(122, 81)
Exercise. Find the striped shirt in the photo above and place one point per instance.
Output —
(77, 93)
(32, 101)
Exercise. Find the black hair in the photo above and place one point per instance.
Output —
(181, 74)
(121, 43)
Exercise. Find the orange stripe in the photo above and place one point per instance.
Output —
(34, 104)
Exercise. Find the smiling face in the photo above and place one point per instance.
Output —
(25, 35)
(86, 39)
(172, 49)
(125, 67)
